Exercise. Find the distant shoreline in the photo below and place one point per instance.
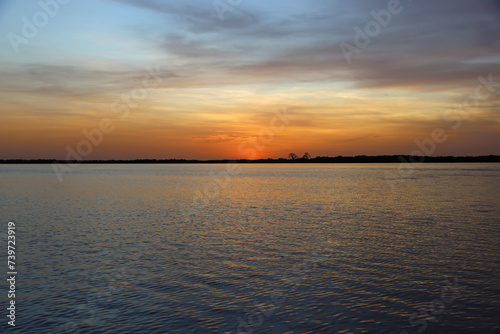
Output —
(338, 159)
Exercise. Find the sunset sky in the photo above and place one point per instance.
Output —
(221, 79)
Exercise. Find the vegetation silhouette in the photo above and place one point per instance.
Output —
(292, 158)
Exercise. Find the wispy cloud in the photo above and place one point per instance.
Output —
(223, 77)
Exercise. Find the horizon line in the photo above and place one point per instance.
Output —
(317, 159)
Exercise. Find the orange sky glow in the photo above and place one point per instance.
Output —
(177, 81)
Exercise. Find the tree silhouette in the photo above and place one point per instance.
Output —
(306, 156)
(293, 156)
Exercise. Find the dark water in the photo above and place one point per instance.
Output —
(273, 249)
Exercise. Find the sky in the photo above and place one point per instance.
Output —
(203, 79)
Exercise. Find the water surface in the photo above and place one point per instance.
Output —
(278, 248)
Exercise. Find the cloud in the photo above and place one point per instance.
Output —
(196, 16)
(429, 46)
(282, 51)
(217, 139)
(69, 81)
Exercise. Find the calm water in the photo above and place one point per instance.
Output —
(275, 249)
